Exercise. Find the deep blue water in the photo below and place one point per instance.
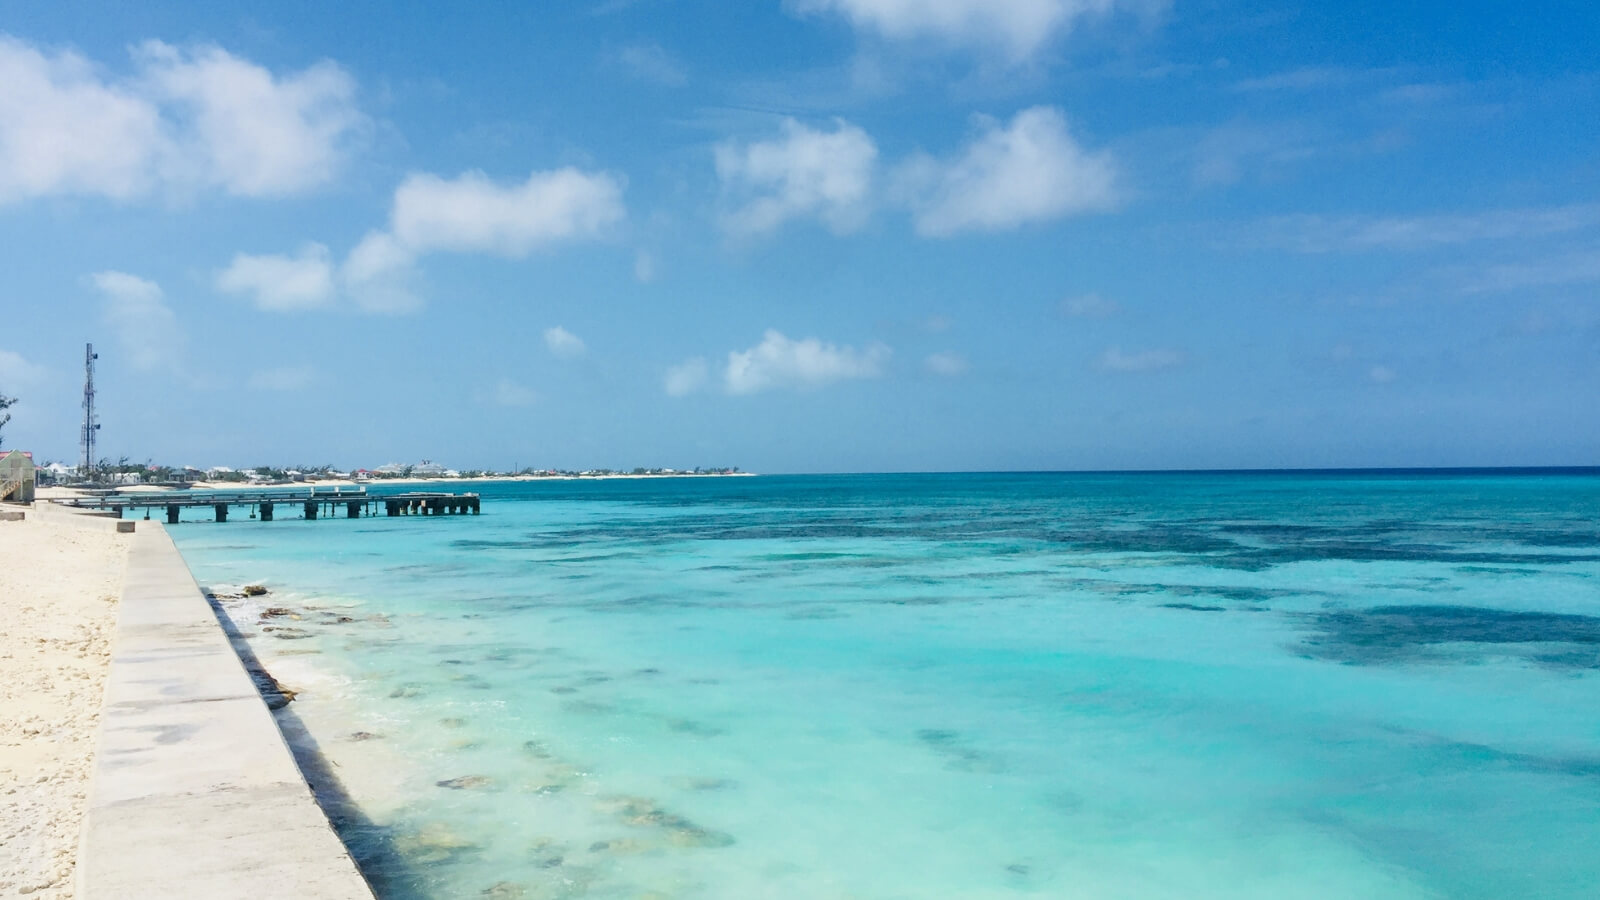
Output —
(1103, 685)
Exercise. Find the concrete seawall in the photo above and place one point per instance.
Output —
(195, 793)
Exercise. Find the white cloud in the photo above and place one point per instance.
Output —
(563, 343)
(467, 214)
(256, 134)
(1018, 28)
(509, 393)
(687, 377)
(279, 283)
(1114, 360)
(779, 362)
(378, 275)
(146, 329)
(65, 130)
(471, 213)
(286, 378)
(1089, 306)
(805, 172)
(1028, 171)
(948, 364)
(15, 370)
(651, 62)
(1381, 374)
(184, 120)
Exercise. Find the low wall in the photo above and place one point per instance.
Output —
(195, 793)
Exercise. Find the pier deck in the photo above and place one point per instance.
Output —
(314, 503)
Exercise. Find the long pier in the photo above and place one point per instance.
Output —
(314, 503)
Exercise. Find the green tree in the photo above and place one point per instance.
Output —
(5, 404)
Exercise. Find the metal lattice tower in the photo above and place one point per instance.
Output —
(90, 426)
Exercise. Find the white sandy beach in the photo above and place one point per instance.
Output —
(60, 580)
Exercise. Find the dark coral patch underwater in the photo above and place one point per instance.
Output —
(1397, 634)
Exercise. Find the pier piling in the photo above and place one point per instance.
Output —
(316, 503)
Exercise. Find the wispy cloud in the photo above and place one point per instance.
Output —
(283, 378)
(948, 364)
(1115, 360)
(15, 370)
(187, 119)
(509, 393)
(563, 343)
(1557, 270)
(1306, 78)
(1089, 306)
(1328, 234)
(651, 62)
(1229, 153)
(147, 331)
(645, 267)
(380, 275)
(687, 377)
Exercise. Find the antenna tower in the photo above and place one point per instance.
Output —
(90, 426)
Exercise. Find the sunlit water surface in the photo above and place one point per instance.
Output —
(1097, 686)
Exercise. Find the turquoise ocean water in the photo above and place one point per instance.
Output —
(1096, 686)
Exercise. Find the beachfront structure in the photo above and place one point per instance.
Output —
(17, 477)
(55, 473)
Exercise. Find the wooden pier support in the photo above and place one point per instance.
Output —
(317, 504)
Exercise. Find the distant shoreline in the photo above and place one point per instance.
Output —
(56, 492)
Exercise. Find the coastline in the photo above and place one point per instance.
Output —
(58, 492)
(61, 580)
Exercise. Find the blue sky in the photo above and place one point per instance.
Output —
(806, 235)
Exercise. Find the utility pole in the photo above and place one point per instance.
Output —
(90, 426)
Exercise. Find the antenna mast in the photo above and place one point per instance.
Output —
(86, 442)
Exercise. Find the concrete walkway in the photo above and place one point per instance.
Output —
(195, 793)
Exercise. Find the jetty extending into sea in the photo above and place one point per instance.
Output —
(263, 503)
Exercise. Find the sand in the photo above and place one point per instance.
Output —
(60, 579)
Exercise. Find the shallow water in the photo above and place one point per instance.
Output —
(966, 685)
